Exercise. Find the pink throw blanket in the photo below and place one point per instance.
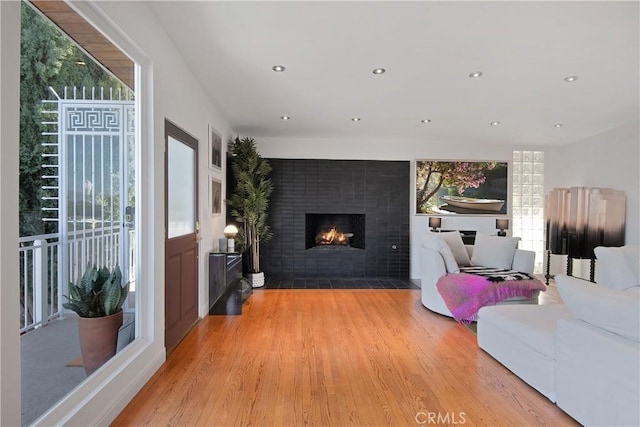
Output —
(464, 294)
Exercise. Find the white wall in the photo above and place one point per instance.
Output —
(177, 96)
(394, 150)
(610, 159)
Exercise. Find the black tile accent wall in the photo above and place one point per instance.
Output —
(377, 189)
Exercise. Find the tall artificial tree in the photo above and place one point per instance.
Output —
(250, 199)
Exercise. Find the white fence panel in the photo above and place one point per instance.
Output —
(89, 140)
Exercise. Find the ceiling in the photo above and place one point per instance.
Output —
(329, 49)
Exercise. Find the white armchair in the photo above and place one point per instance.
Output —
(433, 266)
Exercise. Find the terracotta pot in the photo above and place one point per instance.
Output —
(98, 339)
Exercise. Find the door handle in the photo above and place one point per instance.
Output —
(128, 216)
(198, 238)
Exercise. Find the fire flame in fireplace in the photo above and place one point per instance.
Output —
(332, 237)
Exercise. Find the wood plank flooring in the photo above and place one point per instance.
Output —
(335, 357)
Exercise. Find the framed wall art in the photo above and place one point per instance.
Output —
(215, 196)
(215, 149)
(461, 187)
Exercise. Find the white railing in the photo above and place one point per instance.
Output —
(99, 246)
(41, 286)
(40, 293)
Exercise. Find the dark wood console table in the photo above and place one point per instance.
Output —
(225, 272)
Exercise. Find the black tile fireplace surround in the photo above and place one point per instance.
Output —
(373, 195)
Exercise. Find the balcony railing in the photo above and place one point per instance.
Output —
(40, 293)
(42, 259)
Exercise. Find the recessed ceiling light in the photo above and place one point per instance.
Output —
(379, 71)
(425, 121)
(278, 68)
(557, 125)
(495, 123)
(355, 119)
(476, 74)
(285, 117)
(571, 79)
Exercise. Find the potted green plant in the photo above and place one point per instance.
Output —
(249, 203)
(98, 299)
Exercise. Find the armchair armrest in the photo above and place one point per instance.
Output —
(524, 261)
(431, 266)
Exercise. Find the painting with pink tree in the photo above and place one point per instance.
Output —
(451, 187)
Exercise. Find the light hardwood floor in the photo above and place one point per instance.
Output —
(335, 357)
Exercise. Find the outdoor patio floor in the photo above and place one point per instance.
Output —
(51, 364)
(46, 378)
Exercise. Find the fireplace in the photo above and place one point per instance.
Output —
(353, 193)
(332, 231)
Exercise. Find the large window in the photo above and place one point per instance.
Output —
(78, 145)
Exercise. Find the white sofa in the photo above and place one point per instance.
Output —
(583, 354)
(435, 262)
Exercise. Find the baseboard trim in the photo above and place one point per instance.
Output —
(132, 389)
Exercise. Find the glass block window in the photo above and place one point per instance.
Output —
(528, 202)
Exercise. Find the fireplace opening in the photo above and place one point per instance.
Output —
(334, 230)
(333, 237)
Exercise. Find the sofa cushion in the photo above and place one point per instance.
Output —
(494, 251)
(433, 241)
(454, 240)
(618, 268)
(534, 325)
(610, 309)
